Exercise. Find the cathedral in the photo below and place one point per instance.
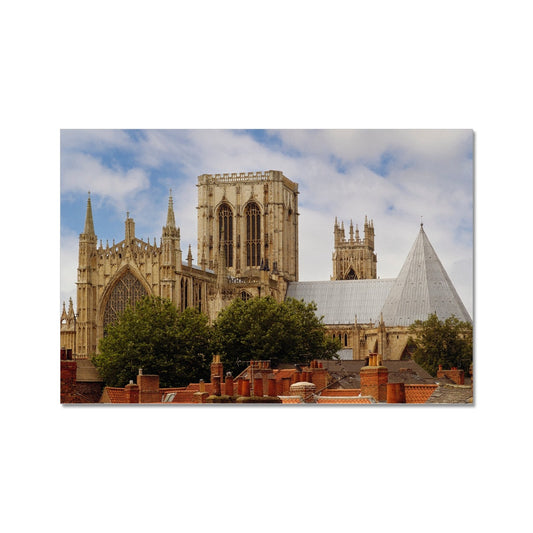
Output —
(247, 247)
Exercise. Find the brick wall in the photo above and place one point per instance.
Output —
(73, 391)
(456, 375)
(68, 382)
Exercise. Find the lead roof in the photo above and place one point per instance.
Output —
(340, 301)
(422, 288)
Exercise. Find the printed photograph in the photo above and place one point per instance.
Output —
(281, 267)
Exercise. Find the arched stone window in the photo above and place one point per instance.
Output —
(245, 296)
(253, 234)
(128, 290)
(225, 232)
(351, 274)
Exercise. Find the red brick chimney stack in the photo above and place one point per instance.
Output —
(217, 368)
(132, 392)
(148, 388)
(395, 393)
(374, 378)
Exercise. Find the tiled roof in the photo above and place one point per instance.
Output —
(422, 287)
(113, 395)
(345, 400)
(291, 399)
(419, 393)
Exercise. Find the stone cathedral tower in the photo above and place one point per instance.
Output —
(354, 258)
(249, 222)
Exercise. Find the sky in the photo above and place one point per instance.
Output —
(397, 178)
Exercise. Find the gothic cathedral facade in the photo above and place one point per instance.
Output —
(247, 246)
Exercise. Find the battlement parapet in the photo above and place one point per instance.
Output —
(246, 177)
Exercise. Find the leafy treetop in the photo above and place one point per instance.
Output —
(154, 336)
(448, 343)
(263, 329)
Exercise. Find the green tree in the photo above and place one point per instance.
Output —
(448, 343)
(263, 329)
(154, 336)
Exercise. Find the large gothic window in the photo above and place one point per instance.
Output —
(225, 232)
(253, 235)
(127, 291)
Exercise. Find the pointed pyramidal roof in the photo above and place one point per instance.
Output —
(422, 288)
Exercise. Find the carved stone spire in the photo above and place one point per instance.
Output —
(70, 308)
(171, 221)
(189, 257)
(89, 225)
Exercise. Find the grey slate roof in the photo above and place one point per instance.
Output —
(340, 301)
(346, 373)
(422, 287)
(450, 393)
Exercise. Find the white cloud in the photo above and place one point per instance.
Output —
(426, 172)
(83, 172)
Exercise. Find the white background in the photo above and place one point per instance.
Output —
(277, 64)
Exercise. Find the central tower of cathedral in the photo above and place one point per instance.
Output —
(249, 220)
(354, 258)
